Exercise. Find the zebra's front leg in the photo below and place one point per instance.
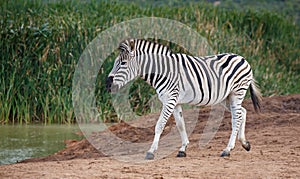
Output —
(159, 127)
(182, 131)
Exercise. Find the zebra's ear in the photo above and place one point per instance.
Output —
(131, 44)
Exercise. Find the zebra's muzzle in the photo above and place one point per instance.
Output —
(109, 81)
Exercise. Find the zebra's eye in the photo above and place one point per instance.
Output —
(123, 63)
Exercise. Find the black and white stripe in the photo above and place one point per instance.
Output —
(180, 78)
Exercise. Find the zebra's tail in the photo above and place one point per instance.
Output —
(255, 95)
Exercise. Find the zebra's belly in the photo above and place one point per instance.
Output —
(199, 99)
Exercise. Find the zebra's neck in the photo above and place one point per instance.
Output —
(155, 62)
(157, 69)
(147, 47)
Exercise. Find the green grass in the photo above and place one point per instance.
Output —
(42, 42)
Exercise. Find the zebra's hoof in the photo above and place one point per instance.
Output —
(181, 154)
(225, 154)
(149, 156)
(247, 146)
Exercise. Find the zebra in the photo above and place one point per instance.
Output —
(179, 79)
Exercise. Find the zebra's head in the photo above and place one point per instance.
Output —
(125, 67)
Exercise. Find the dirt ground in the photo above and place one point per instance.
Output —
(274, 135)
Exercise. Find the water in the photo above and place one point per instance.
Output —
(22, 142)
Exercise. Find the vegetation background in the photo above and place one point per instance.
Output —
(41, 42)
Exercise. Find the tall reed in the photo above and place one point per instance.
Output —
(41, 43)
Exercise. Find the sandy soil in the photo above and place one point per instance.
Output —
(274, 135)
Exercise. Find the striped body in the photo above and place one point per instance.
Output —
(180, 78)
(204, 80)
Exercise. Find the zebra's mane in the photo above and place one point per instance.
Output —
(143, 46)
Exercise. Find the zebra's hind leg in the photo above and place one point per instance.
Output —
(241, 136)
(182, 131)
(236, 119)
